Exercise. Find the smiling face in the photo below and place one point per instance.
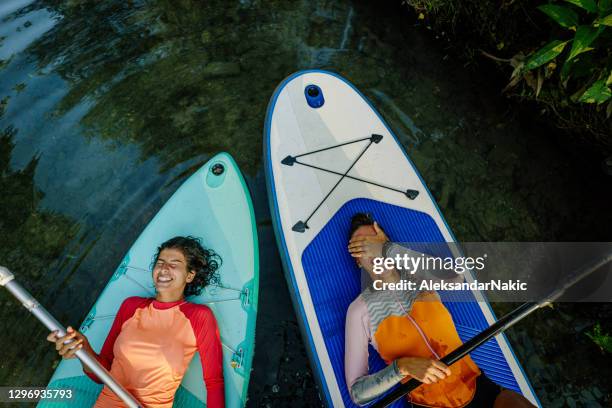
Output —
(170, 274)
(365, 263)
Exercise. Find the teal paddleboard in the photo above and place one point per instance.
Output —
(213, 205)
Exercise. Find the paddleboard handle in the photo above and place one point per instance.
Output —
(7, 279)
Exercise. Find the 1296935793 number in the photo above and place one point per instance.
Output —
(32, 394)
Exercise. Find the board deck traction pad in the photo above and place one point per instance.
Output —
(331, 293)
(213, 204)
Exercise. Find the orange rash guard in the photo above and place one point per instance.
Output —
(150, 346)
(375, 318)
(398, 337)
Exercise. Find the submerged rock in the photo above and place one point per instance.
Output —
(206, 37)
(558, 403)
(596, 392)
(221, 69)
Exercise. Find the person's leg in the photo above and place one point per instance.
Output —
(491, 395)
(511, 399)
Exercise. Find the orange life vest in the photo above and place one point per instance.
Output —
(398, 336)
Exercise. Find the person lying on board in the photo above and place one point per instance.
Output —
(153, 340)
(411, 331)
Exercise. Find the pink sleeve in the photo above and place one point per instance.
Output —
(211, 355)
(106, 356)
(356, 339)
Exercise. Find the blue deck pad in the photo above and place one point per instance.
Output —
(334, 282)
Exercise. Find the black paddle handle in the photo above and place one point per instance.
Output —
(461, 351)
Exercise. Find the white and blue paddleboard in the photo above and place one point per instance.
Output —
(213, 204)
(328, 154)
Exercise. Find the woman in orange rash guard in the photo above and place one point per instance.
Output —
(153, 340)
(411, 331)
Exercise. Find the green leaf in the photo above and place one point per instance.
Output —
(588, 5)
(603, 340)
(607, 20)
(605, 6)
(582, 67)
(545, 54)
(566, 70)
(597, 93)
(585, 35)
(561, 14)
(609, 80)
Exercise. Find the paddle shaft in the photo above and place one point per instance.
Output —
(27, 300)
(499, 326)
(463, 350)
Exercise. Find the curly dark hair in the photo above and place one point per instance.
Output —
(204, 262)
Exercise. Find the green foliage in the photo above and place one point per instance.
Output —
(588, 5)
(607, 20)
(603, 340)
(542, 71)
(605, 6)
(585, 35)
(597, 93)
(545, 54)
(586, 23)
(561, 14)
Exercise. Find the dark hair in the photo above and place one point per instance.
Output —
(359, 220)
(204, 262)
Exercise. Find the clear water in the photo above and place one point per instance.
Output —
(105, 107)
